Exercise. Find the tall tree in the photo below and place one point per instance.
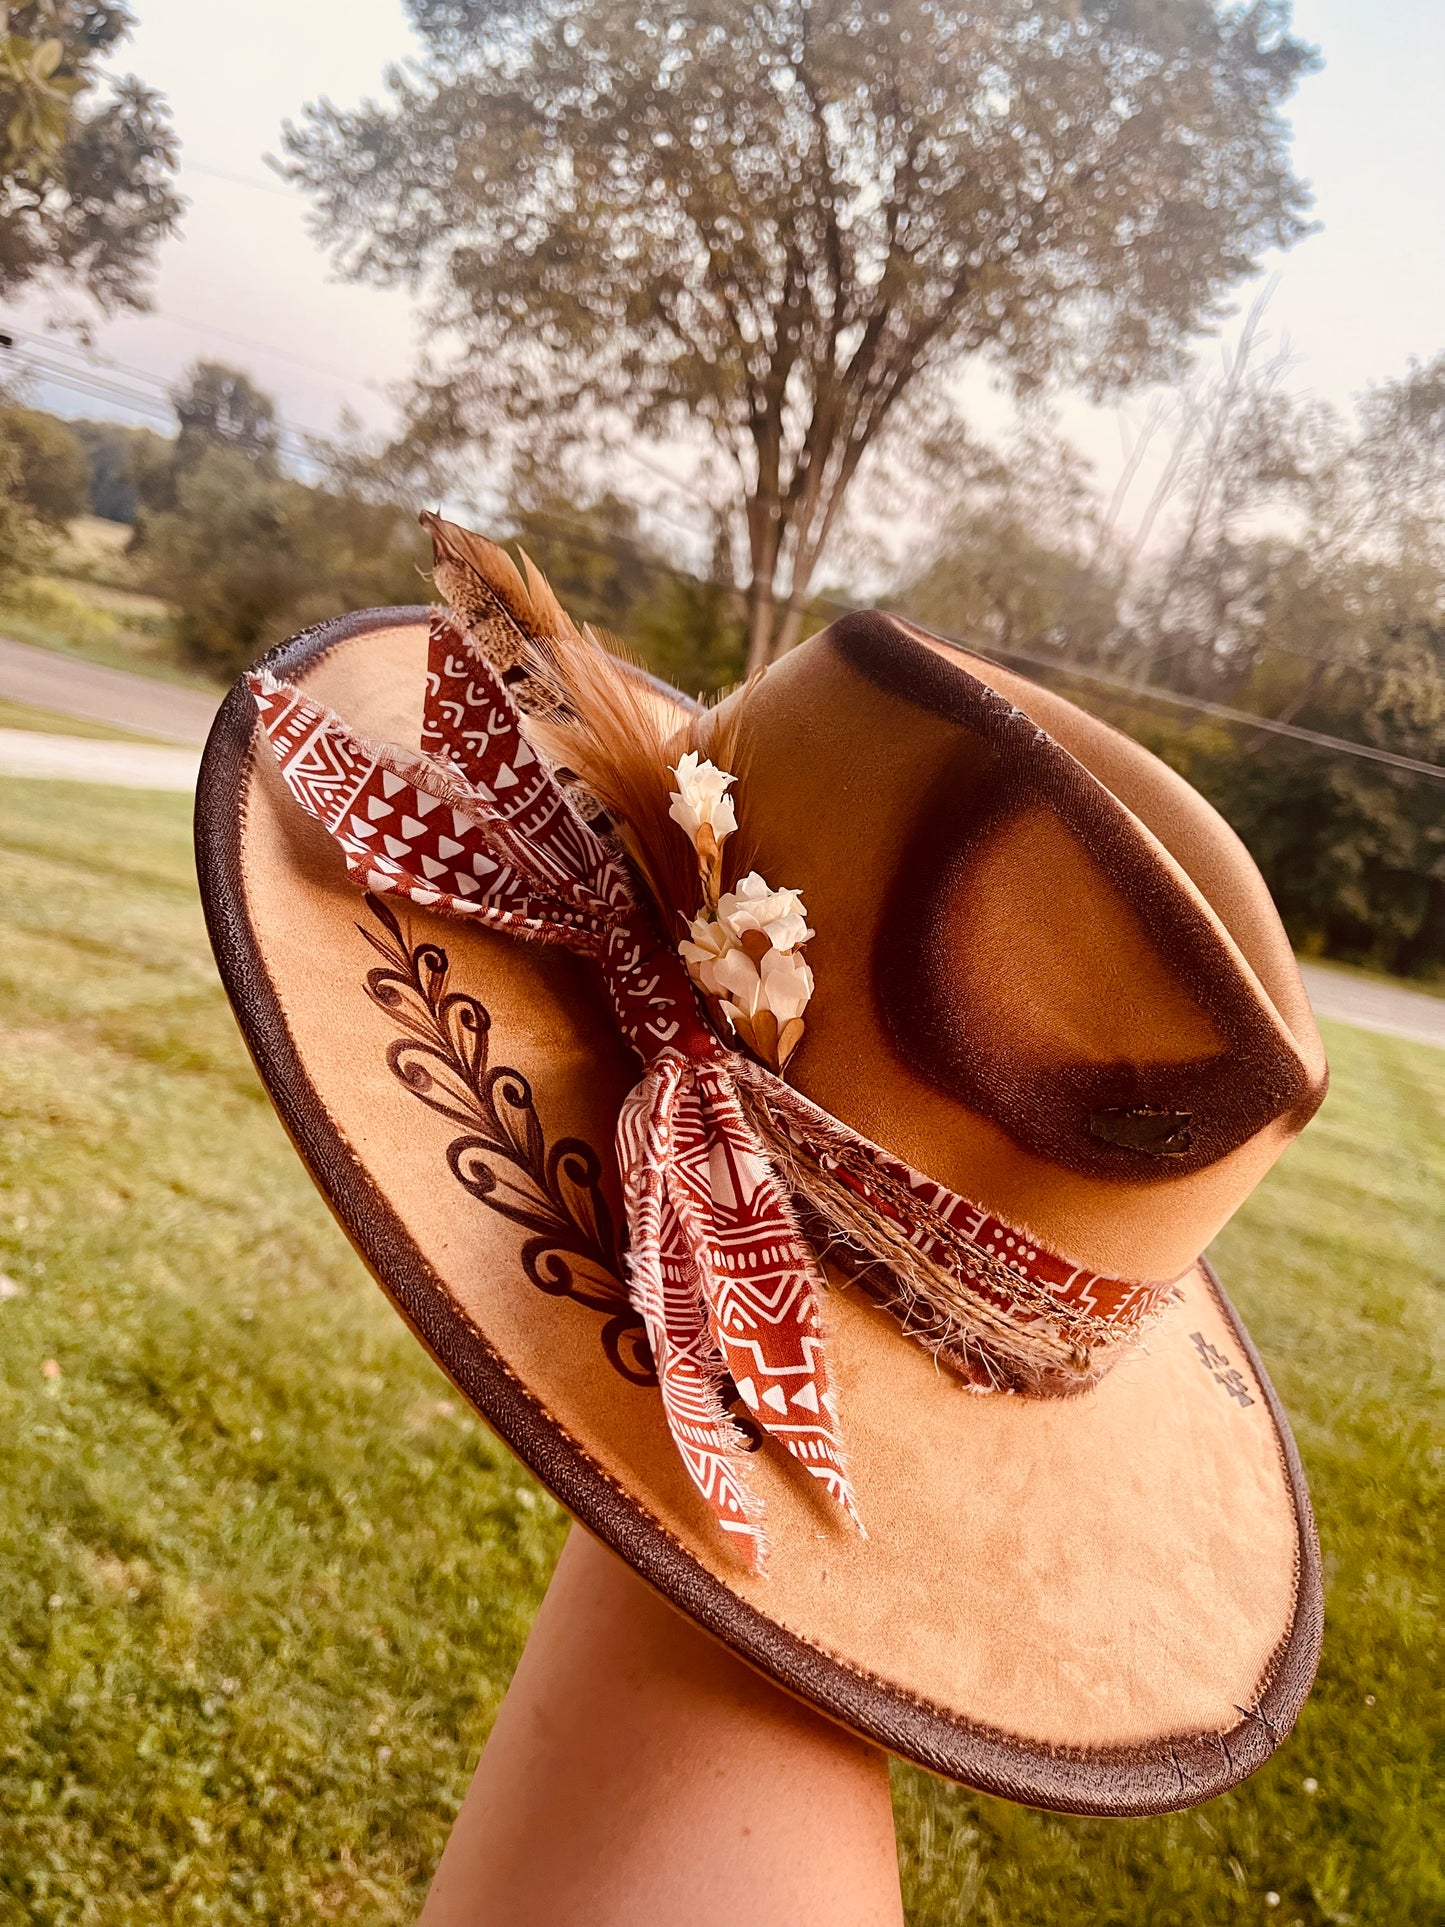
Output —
(1023, 561)
(86, 161)
(114, 455)
(786, 222)
(605, 570)
(217, 406)
(246, 553)
(248, 557)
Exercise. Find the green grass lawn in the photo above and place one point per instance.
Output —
(263, 1580)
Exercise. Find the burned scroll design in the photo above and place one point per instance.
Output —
(502, 1156)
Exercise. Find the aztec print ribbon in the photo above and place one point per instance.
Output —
(477, 827)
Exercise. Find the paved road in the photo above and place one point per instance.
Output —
(1375, 1006)
(67, 686)
(90, 759)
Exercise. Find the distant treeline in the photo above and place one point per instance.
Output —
(245, 552)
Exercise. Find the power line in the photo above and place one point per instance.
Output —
(1243, 718)
(1122, 685)
(677, 481)
(369, 382)
(103, 368)
(104, 386)
(153, 411)
(93, 390)
(236, 180)
(98, 380)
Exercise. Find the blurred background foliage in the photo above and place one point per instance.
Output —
(772, 241)
(247, 1651)
(778, 231)
(1292, 568)
(87, 157)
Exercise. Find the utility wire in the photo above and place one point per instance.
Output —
(154, 413)
(370, 383)
(1121, 685)
(1244, 718)
(106, 367)
(296, 442)
(237, 180)
(95, 382)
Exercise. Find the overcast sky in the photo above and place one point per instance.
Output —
(245, 282)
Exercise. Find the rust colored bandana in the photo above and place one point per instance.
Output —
(478, 828)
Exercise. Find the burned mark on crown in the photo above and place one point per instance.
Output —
(1133, 1119)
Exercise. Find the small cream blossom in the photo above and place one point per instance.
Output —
(743, 950)
(776, 915)
(761, 989)
(787, 984)
(706, 943)
(701, 799)
(741, 981)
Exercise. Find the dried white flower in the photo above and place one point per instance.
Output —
(762, 988)
(701, 799)
(777, 916)
(787, 985)
(741, 982)
(743, 949)
(708, 943)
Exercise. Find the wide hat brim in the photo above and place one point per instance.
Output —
(1106, 1604)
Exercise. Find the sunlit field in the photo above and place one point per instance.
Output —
(263, 1579)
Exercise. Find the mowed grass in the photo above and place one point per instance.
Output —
(263, 1579)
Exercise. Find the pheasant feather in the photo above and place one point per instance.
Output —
(607, 729)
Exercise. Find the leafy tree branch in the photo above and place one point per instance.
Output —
(770, 226)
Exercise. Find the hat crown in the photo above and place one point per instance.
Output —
(1021, 988)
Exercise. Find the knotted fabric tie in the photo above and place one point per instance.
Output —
(477, 827)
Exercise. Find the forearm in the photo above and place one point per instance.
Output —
(640, 1776)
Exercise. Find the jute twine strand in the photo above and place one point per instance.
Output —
(1029, 1343)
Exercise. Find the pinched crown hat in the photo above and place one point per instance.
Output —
(795, 1127)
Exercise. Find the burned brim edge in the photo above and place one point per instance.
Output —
(1161, 1776)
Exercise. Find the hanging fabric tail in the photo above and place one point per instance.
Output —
(761, 1282)
(666, 1289)
(729, 1291)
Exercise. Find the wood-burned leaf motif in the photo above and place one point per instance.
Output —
(502, 1156)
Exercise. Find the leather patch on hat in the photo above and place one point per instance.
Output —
(1163, 1134)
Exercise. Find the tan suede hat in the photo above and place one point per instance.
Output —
(1055, 1036)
